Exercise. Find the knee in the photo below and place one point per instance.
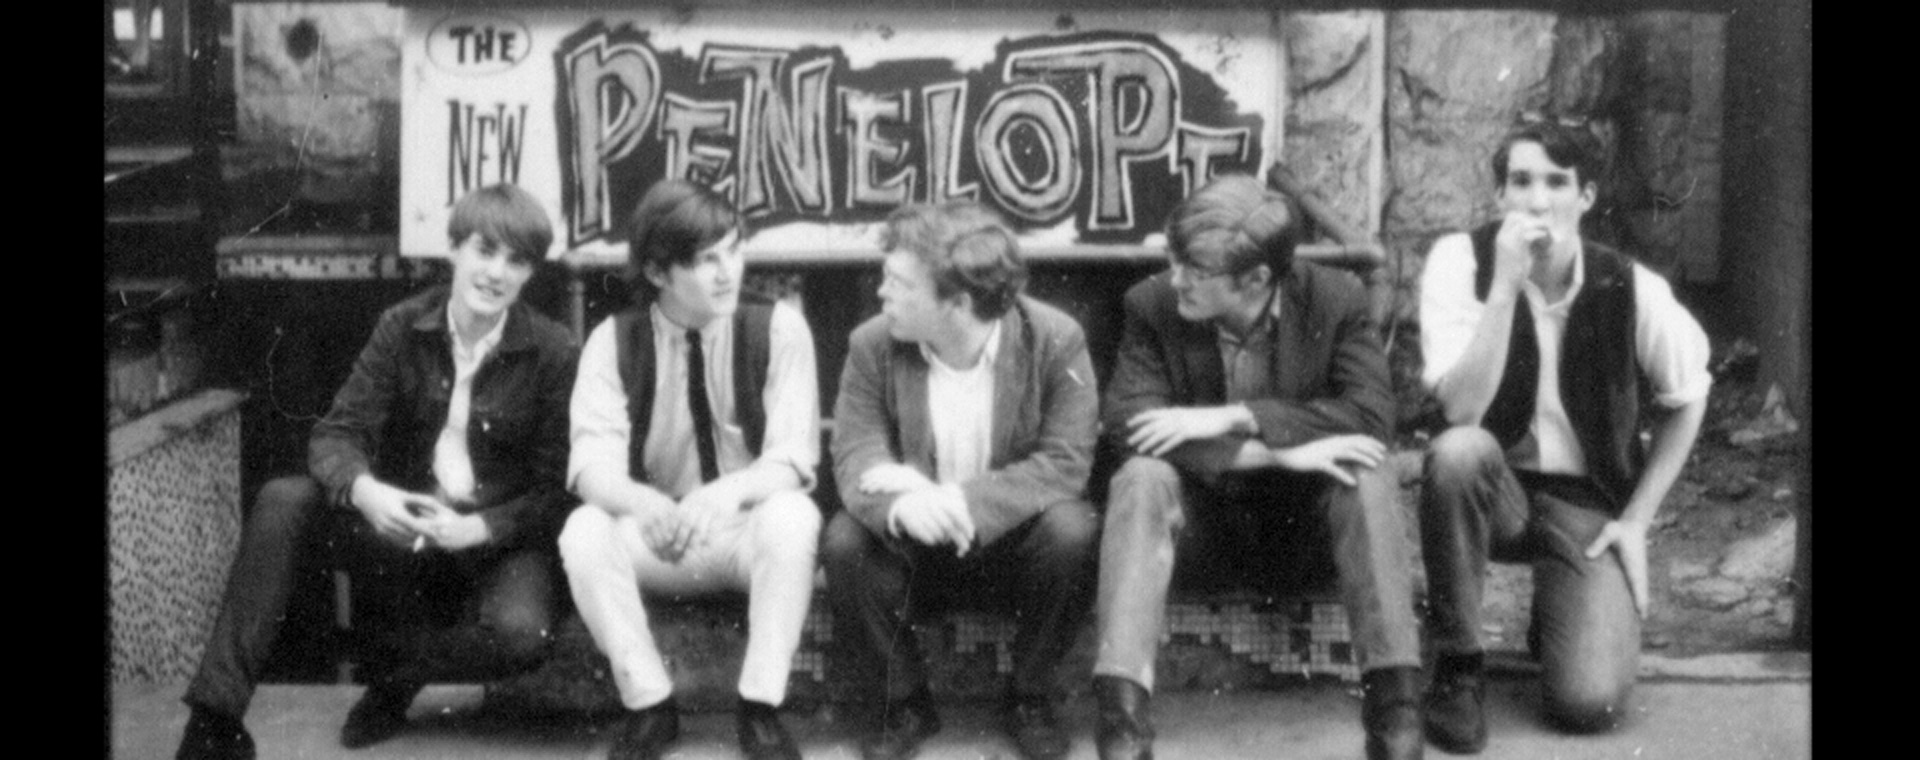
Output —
(285, 503)
(1586, 705)
(587, 535)
(1461, 452)
(1145, 488)
(1068, 529)
(845, 542)
(788, 524)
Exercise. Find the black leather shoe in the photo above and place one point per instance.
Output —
(1456, 704)
(1035, 728)
(647, 732)
(380, 713)
(1391, 714)
(214, 736)
(1123, 731)
(901, 729)
(762, 737)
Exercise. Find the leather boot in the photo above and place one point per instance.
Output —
(1391, 714)
(1456, 704)
(1124, 732)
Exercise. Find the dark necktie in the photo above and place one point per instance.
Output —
(702, 412)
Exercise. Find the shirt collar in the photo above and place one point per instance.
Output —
(1260, 328)
(486, 342)
(988, 354)
(1573, 288)
(665, 324)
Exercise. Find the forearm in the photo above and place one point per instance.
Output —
(1468, 387)
(620, 495)
(1673, 438)
(753, 484)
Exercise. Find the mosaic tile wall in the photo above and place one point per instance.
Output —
(173, 526)
(1218, 641)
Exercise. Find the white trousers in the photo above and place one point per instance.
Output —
(766, 550)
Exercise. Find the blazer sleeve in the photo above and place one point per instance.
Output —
(861, 421)
(1142, 380)
(1056, 462)
(1357, 397)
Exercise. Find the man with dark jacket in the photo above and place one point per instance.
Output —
(1249, 402)
(449, 442)
(1539, 344)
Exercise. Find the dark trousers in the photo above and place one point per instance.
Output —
(1041, 571)
(1253, 528)
(476, 615)
(1585, 630)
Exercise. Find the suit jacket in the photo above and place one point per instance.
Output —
(1330, 374)
(1044, 414)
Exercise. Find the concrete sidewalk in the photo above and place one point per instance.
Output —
(1750, 707)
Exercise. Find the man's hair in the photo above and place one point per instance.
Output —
(966, 247)
(675, 220)
(1565, 144)
(1241, 222)
(504, 215)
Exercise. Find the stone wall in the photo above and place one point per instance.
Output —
(1392, 117)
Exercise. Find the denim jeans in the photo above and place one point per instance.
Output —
(1585, 629)
(1248, 528)
(469, 616)
(1042, 570)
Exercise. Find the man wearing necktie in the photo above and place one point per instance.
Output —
(695, 436)
(963, 435)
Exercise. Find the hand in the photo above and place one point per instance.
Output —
(1523, 238)
(448, 529)
(892, 477)
(385, 508)
(699, 511)
(660, 530)
(1333, 455)
(1157, 431)
(1628, 540)
(932, 516)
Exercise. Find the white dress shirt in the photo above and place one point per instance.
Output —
(960, 411)
(791, 398)
(452, 462)
(1669, 344)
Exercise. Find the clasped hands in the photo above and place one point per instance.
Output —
(688, 523)
(416, 519)
(925, 511)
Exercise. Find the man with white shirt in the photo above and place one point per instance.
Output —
(964, 430)
(1539, 343)
(696, 431)
(449, 443)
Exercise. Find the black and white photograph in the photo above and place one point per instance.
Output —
(839, 379)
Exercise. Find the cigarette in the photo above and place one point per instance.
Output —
(419, 542)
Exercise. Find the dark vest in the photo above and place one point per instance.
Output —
(1600, 379)
(633, 341)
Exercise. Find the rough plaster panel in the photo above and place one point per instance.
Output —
(1439, 175)
(321, 130)
(1445, 65)
(1332, 160)
(358, 48)
(1329, 57)
(1581, 78)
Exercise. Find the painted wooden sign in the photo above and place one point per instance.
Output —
(1081, 130)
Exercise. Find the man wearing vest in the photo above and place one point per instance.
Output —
(964, 430)
(436, 476)
(1249, 400)
(696, 432)
(1539, 344)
